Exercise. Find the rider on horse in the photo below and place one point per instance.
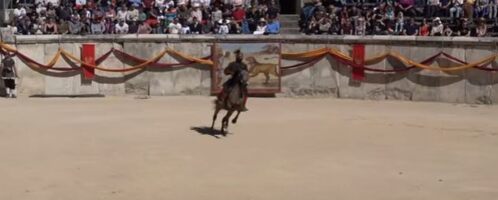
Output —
(239, 72)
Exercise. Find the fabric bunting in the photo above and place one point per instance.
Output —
(347, 60)
(143, 63)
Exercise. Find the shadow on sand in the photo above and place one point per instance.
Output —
(208, 131)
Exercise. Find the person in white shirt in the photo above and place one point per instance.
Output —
(19, 12)
(133, 14)
(437, 27)
(174, 27)
(185, 29)
(224, 29)
(196, 12)
(121, 27)
(122, 13)
(217, 15)
(261, 28)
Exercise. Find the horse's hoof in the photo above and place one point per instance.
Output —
(234, 121)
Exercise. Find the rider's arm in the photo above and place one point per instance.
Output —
(228, 70)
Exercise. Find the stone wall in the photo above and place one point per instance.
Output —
(327, 78)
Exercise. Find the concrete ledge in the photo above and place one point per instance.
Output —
(321, 39)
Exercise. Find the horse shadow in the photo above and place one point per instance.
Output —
(204, 130)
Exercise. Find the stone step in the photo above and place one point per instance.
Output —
(289, 31)
(289, 24)
(289, 17)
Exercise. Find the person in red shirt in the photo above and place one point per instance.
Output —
(148, 3)
(239, 14)
(424, 28)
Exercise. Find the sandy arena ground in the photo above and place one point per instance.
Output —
(292, 149)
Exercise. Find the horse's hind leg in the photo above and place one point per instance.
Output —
(224, 122)
(234, 121)
(214, 117)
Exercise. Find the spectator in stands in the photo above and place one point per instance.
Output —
(223, 27)
(468, 9)
(174, 27)
(424, 28)
(50, 27)
(437, 27)
(121, 27)
(234, 27)
(347, 27)
(407, 7)
(481, 28)
(447, 31)
(63, 27)
(456, 9)
(493, 8)
(109, 26)
(122, 13)
(400, 22)
(261, 29)
(273, 27)
(324, 25)
(196, 27)
(24, 26)
(75, 25)
(444, 8)
(12, 27)
(378, 26)
(97, 27)
(196, 12)
(481, 8)
(463, 28)
(19, 12)
(133, 27)
(360, 26)
(185, 29)
(432, 8)
(133, 14)
(411, 28)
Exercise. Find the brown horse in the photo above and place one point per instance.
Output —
(233, 103)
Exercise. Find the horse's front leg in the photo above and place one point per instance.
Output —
(214, 117)
(234, 121)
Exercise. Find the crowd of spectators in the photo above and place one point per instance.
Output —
(400, 17)
(32, 17)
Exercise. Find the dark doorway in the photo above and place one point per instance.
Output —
(288, 6)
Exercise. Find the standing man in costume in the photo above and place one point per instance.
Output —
(240, 74)
(9, 73)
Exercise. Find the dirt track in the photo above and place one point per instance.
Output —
(129, 149)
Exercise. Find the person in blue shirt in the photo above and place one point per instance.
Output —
(273, 27)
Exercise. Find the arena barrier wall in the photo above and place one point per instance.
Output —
(455, 70)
